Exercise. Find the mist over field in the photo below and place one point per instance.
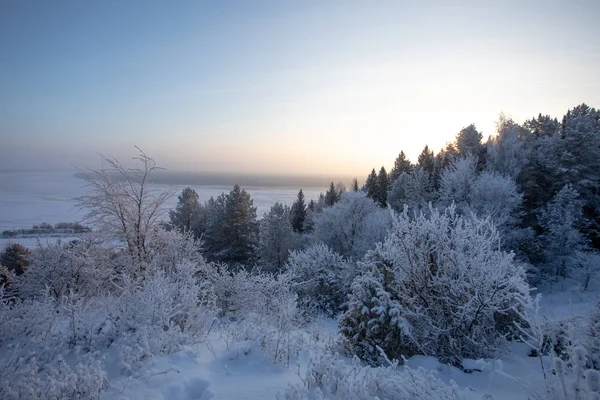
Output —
(30, 198)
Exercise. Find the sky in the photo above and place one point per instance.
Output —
(281, 87)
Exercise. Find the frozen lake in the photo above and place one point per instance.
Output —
(30, 198)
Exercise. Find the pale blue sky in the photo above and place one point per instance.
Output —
(328, 87)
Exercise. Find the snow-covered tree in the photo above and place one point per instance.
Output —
(496, 196)
(456, 183)
(437, 285)
(322, 277)
(215, 241)
(187, 211)
(506, 152)
(352, 226)
(412, 189)
(232, 230)
(276, 237)
(561, 219)
(121, 203)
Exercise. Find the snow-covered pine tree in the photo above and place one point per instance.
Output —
(561, 220)
(184, 216)
(276, 237)
(412, 189)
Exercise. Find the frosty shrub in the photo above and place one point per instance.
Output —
(166, 249)
(171, 309)
(351, 226)
(82, 266)
(322, 278)
(329, 377)
(26, 318)
(436, 286)
(259, 307)
(593, 337)
(572, 380)
(24, 378)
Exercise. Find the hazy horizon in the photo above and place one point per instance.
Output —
(310, 88)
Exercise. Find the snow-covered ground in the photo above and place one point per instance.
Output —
(210, 370)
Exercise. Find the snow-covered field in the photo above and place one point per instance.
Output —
(212, 371)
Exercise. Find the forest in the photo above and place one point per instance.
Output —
(447, 258)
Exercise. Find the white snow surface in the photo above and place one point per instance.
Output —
(212, 371)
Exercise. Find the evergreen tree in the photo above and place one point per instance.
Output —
(401, 164)
(578, 147)
(16, 258)
(332, 196)
(542, 126)
(187, 210)
(413, 190)
(561, 219)
(215, 241)
(444, 158)
(506, 152)
(426, 160)
(231, 227)
(241, 226)
(355, 185)
(370, 186)
(276, 237)
(382, 187)
(468, 141)
(298, 213)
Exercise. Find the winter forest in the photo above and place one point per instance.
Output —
(468, 274)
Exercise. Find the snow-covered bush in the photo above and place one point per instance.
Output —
(321, 277)
(20, 319)
(166, 249)
(22, 377)
(329, 377)
(437, 286)
(593, 337)
(82, 266)
(172, 309)
(567, 380)
(260, 307)
(351, 226)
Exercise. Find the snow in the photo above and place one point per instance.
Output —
(241, 372)
(212, 371)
